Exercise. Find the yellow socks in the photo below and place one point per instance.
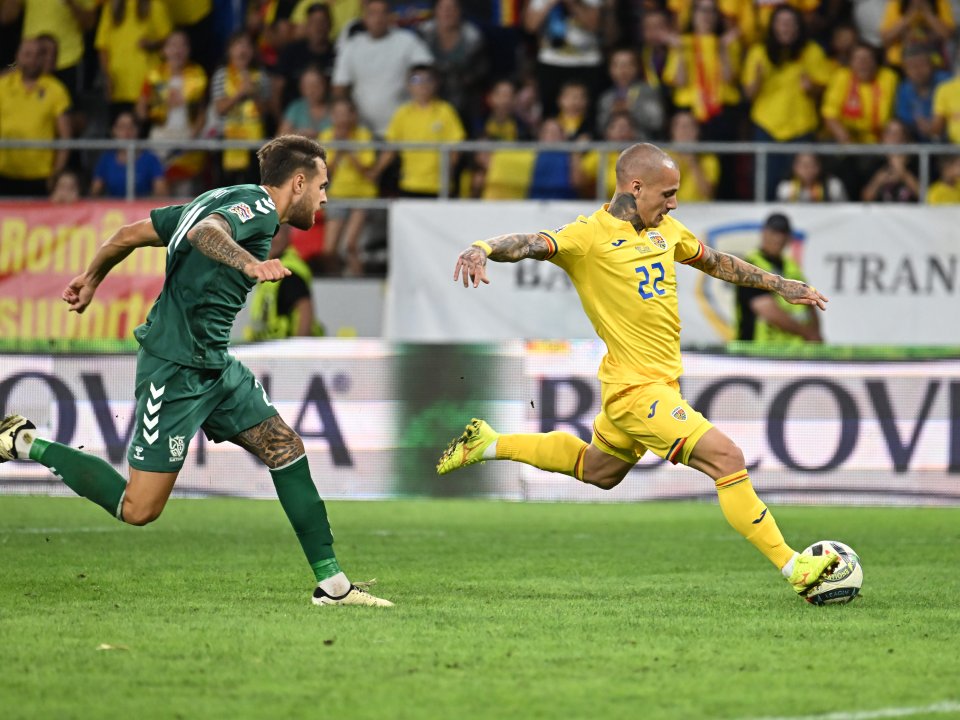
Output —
(555, 451)
(750, 517)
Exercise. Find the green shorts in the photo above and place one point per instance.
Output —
(174, 401)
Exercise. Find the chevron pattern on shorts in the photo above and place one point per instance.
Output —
(151, 417)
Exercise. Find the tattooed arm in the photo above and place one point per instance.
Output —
(739, 272)
(213, 237)
(472, 262)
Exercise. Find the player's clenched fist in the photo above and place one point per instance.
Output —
(267, 271)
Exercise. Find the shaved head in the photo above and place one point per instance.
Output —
(642, 160)
(647, 183)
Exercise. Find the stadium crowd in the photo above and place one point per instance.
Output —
(440, 71)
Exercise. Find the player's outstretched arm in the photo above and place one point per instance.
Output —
(472, 263)
(213, 237)
(79, 291)
(739, 272)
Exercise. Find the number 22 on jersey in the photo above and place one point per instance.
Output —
(650, 281)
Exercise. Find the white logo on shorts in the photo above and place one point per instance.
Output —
(137, 452)
(176, 447)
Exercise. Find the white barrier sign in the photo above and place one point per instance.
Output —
(892, 273)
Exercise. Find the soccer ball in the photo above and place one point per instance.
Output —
(843, 585)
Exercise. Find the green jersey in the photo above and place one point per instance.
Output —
(190, 322)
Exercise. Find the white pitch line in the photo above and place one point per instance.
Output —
(55, 530)
(947, 706)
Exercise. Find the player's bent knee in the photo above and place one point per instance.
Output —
(140, 515)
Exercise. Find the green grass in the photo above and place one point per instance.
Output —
(503, 611)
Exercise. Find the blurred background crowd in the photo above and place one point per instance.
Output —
(442, 71)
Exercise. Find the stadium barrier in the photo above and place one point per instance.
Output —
(924, 153)
(890, 272)
(375, 415)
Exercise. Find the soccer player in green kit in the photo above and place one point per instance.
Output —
(217, 250)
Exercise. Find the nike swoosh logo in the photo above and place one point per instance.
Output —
(762, 515)
(467, 449)
(653, 409)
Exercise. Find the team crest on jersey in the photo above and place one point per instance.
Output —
(657, 239)
(679, 414)
(175, 443)
(242, 211)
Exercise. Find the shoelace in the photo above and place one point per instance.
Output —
(363, 586)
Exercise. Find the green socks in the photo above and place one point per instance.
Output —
(88, 476)
(308, 515)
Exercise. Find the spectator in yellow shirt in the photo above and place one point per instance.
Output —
(503, 174)
(699, 172)
(33, 106)
(172, 99)
(425, 118)
(703, 70)
(351, 176)
(783, 78)
(917, 22)
(946, 190)
(65, 21)
(128, 37)
(859, 99)
(946, 109)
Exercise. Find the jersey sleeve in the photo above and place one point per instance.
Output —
(246, 218)
(568, 243)
(688, 248)
(165, 221)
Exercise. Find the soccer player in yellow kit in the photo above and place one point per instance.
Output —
(622, 261)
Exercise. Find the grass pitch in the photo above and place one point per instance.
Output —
(503, 611)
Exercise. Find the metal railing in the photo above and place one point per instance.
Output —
(760, 152)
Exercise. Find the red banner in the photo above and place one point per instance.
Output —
(44, 246)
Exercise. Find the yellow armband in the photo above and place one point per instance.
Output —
(485, 246)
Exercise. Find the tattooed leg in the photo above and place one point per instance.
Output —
(281, 449)
(273, 441)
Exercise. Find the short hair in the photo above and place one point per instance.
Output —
(422, 68)
(643, 156)
(318, 7)
(286, 155)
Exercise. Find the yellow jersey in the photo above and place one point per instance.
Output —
(434, 122)
(709, 165)
(628, 288)
(128, 63)
(946, 104)
(780, 106)
(30, 114)
(347, 181)
(509, 174)
(54, 17)
(918, 33)
(941, 193)
(862, 108)
(704, 92)
(188, 12)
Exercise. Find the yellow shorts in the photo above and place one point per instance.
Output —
(635, 418)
